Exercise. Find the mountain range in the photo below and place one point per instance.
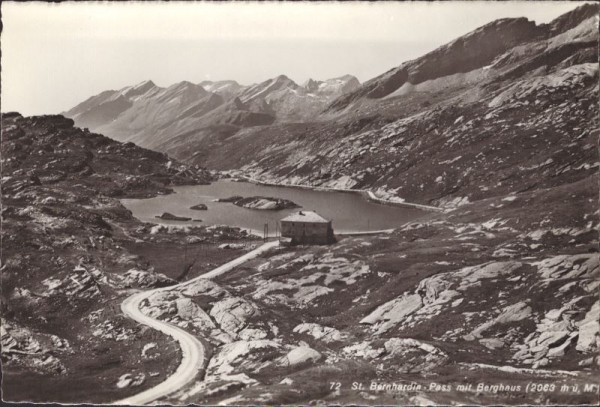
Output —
(339, 132)
(148, 115)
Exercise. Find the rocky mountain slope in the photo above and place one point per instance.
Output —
(490, 297)
(487, 45)
(449, 138)
(498, 293)
(71, 252)
(150, 116)
(501, 289)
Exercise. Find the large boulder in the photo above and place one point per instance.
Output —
(301, 354)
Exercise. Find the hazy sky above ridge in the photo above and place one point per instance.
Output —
(54, 56)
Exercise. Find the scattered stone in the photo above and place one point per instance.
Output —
(363, 350)
(147, 347)
(325, 333)
(131, 380)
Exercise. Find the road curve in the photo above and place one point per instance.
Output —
(192, 350)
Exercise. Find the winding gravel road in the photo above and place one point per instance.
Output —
(192, 351)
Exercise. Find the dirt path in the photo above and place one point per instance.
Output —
(192, 351)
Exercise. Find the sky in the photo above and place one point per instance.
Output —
(54, 56)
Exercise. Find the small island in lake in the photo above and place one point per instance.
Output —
(260, 202)
(170, 216)
(199, 207)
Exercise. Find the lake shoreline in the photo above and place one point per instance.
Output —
(353, 212)
(365, 193)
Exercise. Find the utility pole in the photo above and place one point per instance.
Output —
(185, 247)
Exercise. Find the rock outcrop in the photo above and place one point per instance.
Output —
(170, 216)
(71, 251)
(260, 202)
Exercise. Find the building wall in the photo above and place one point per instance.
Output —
(308, 233)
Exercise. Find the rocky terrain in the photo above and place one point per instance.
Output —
(492, 300)
(264, 203)
(478, 295)
(71, 252)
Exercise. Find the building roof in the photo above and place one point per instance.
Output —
(305, 216)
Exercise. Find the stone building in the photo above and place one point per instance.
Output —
(307, 227)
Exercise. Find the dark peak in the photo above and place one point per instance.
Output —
(186, 86)
(238, 104)
(147, 84)
(505, 21)
(9, 115)
(55, 120)
(500, 25)
(473, 50)
(141, 87)
(284, 80)
(183, 84)
(138, 89)
(572, 18)
(311, 85)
